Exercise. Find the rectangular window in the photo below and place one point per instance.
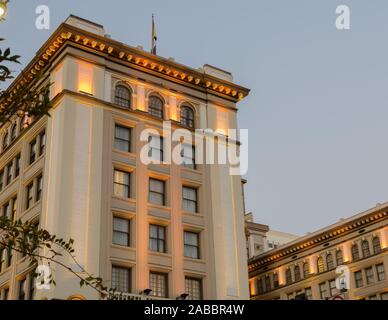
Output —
(42, 142)
(30, 195)
(332, 287)
(308, 293)
(121, 231)
(33, 150)
(1, 179)
(156, 193)
(358, 279)
(9, 173)
(157, 238)
(380, 272)
(31, 292)
(188, 156)
(155, 148)
(6, 210)
(323, 290)
(369, 275)
(121, 184)
(22, 289)
(191, 245)
(193, 288)
(3, 259)
(9, 257)
(121, 279)
(259, 286)
(17, 166)
(189, 199)
(14, 207)
(158, 284)
(39, 188)
(122, 138)
(6, 294)
(276, 280)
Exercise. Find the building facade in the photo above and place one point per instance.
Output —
(260, 238)
(172, 228)
(306, 267)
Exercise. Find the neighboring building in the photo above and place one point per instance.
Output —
(260, 238)
(278, 238)
(171, 228)
(306, 267)
(256, 236)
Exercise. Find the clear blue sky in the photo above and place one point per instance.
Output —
(317, 114)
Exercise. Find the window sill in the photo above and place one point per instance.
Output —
(188, 259)
(121, 247)
(33, 163)
(158, 206)
(130, 200)
(9, 185)
(125, 153)
(160, 254)
(192, 214)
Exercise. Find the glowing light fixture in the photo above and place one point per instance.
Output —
(3, 9)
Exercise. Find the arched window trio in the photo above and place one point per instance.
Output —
(123, 98)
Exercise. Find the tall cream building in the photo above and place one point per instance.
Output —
(171, 228)
(306, 267)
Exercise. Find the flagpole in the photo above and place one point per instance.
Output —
(154, 37)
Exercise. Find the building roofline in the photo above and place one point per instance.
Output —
(133, 57)
(85, 20)
(360, 220)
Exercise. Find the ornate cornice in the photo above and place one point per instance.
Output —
(306, 243)
(139, 59)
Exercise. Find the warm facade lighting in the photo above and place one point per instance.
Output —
(3, 9)
(85, 78)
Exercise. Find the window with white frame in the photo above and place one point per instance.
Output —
(157, 241)
(121, 228)
(380, 272)
(156, 194)
(188, 156)
(121, 183)
(193, 288)
(158, 284)
(369, 276)
(122, 138)
(190, 199)
(155, 151)
(191, 245)
(121, 279)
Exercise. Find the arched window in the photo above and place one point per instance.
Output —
(288, 276)
(13, 132)
(339, 257)
(306, 269)
(365, 249)
(155, 106)
(123, 96)
(329, 262)
(355, 252)
(187, 116)
(376, 245)
(297, 273)
(5, 140)
(320, 265)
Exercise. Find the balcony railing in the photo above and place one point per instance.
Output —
(133, 296)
